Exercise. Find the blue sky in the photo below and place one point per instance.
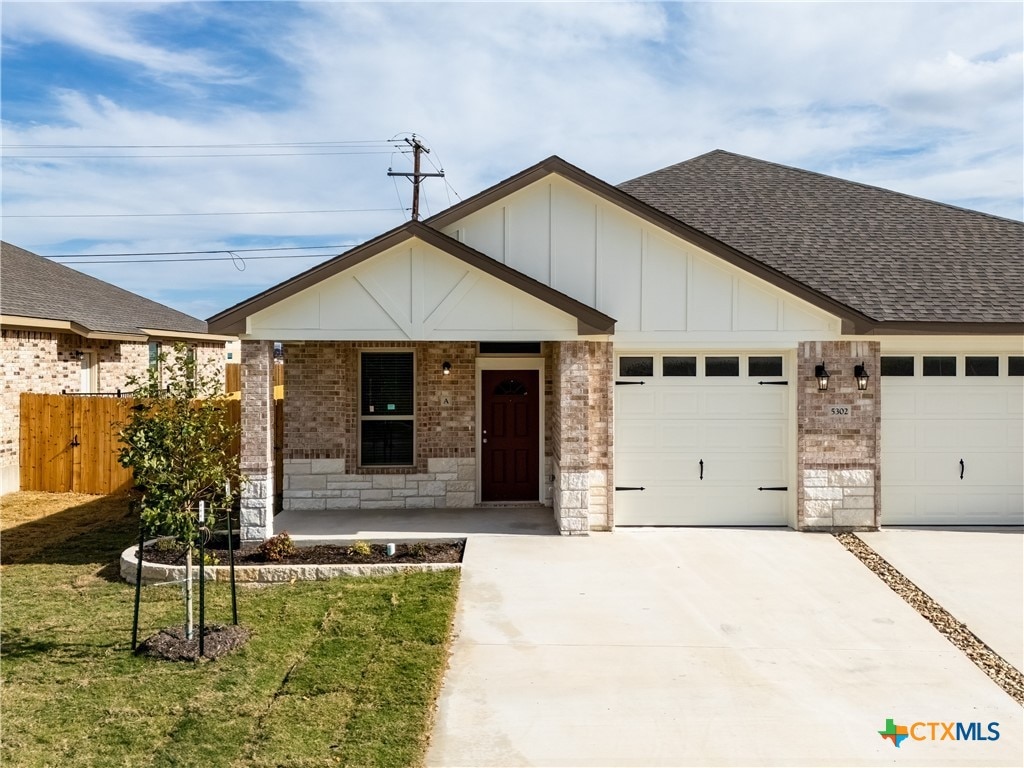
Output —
(242, 107)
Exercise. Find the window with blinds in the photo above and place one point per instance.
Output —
(387, 418)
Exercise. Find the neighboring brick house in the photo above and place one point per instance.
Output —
(64, 331)
(688, 348)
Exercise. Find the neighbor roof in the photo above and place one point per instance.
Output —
(34, 287)
(895, 258)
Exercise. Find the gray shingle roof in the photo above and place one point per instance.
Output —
(893, 257)
(31, 286)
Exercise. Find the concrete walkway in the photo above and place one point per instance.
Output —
(699, 647)
(975, 574)
(311, 527)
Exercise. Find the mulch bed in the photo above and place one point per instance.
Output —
(321, 554)
(171, 644)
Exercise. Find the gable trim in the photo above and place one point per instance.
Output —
(589, 320)
(853, 321)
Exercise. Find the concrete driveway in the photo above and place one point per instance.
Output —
(699, 647)
(975, 574)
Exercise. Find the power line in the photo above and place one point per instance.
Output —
(368, 142)
(206, 258)
(216, 213)
(191, 253)
(179, 156)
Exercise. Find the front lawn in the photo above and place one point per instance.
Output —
(343, 672)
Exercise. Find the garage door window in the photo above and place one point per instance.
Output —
(636, 366)
(679, 366)
(981, 366)
(1016, 365)
(898, 366)
(939, 366)
(764, 366)
(721, 366)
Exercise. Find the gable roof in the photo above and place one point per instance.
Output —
(589, 320)
(898, 259)
(33, 287)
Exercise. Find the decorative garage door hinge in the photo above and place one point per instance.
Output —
(641, 383)
(630, 488)
(774, 488)
(774, 383)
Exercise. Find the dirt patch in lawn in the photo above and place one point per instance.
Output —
(358, 553)
(171, 644)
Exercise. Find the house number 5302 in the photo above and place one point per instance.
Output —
(841, 411)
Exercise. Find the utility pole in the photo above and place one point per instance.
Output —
(418, 149)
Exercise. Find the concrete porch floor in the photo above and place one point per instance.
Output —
(398, 525)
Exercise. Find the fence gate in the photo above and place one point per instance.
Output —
(69, 443)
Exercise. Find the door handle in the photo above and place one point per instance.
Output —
(961, 469)
(74, 442)
(702, 469)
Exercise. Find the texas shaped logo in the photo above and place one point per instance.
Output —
(895, 733)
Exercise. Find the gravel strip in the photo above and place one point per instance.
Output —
(1005, 675)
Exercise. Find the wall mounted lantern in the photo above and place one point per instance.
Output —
(860, 373)
(446, 368)
(77, 354)
(821, 374)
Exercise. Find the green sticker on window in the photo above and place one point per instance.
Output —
(391, 406)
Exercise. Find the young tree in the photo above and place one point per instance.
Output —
(178, 442)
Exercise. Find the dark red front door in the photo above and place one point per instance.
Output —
(510, 436)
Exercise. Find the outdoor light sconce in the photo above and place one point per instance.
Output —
(446, 368)
(821, 374)
(860, 373)
(77, 354)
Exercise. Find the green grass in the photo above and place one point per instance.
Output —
(343, 672)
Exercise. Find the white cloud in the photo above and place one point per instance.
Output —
(922, 98)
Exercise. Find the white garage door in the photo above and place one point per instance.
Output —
(952, 437)
(699, 441)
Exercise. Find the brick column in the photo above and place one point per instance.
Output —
(838, 446)
(257, 459)
(600, 437)
(571, 438)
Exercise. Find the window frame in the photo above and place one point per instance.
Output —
(411, 418)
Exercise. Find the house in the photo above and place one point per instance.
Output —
(64, 331)
(726, 341)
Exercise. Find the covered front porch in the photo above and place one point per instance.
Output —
(424, 382)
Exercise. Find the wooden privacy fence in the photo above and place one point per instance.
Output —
(233, 376)
(70, 443)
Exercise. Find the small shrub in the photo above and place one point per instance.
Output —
(277, 548)
(168, 544)
(361, 548)
(418, 550)
(209, 558)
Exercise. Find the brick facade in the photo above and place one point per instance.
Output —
(321, 450)
(45, 362)
(838, 446)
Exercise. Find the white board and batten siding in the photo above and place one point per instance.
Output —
(413, 291)
(661, 289)
(931, 423)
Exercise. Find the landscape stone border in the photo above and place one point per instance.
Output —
(1002, 672)
(157, 573)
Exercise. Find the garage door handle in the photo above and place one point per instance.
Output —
(702, 469)
(961, 469)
